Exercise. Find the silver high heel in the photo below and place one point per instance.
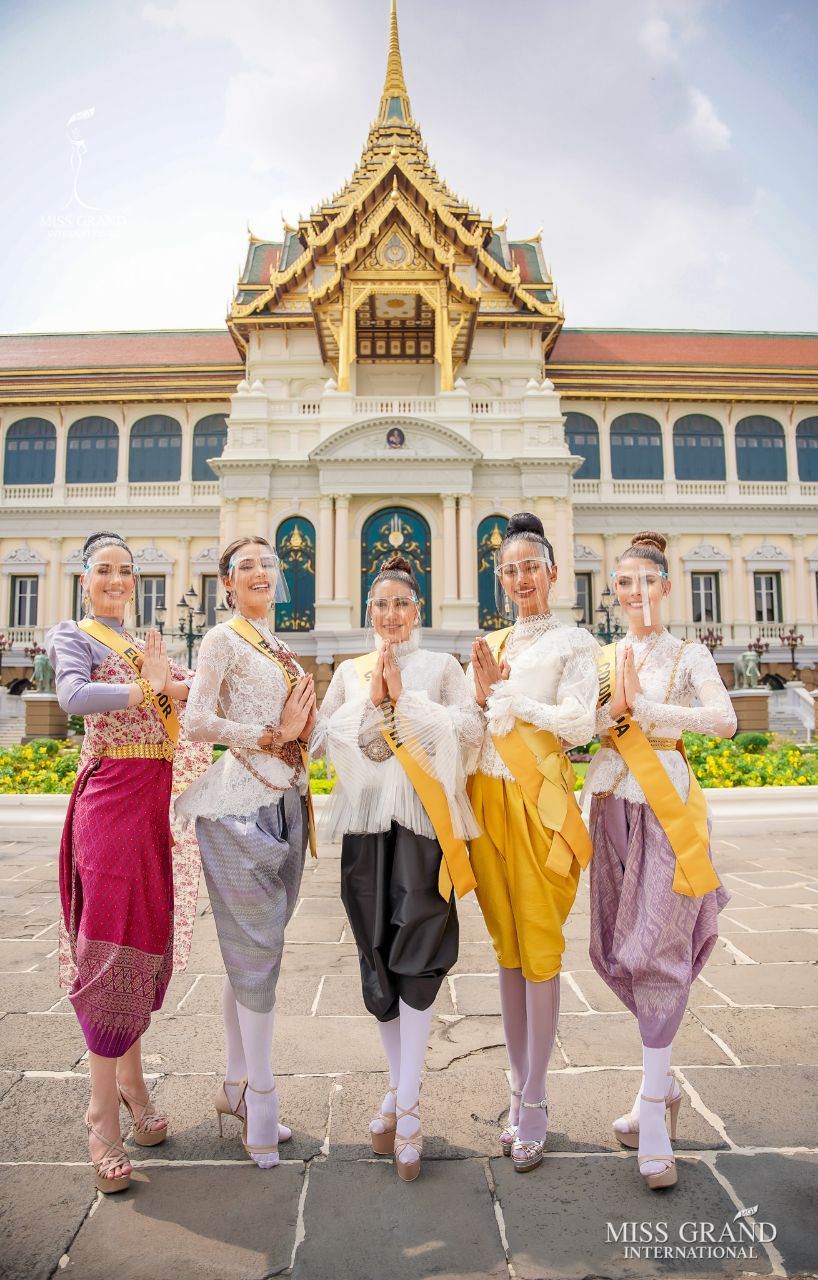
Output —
(510, 1132)
(528, 1154)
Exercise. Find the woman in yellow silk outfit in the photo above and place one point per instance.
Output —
(538, 683)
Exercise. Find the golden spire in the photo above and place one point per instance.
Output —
(395, 97)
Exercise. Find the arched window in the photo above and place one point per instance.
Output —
(397, 529)
(209, 439)
(698, 448)
(156, 449)
(582, 435)
(806, 439)
(760, 449)
(636, 448)
(295, 544)
(31, 451)
(93, 444)
(490, 533)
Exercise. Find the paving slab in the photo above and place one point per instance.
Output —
(323, 906)
(308, 958)
(294, 994)
(316, 929)
(764, 1035)
(465, 1038)
(796, 945)
(41, 1210)
(342, 995)
(442, 1225)
(749, 1102)
(559, 1219)
(785, 1188)
(612, 1039)
(43, 1119)
(779, 985)
(476, 957)
(23, 957)
(223, 1223)
(42, 1041)
(772, 919)
(29, 992)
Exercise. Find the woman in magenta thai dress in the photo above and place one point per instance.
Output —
(116, 861)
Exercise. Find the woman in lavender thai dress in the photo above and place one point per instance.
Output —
(649, 937)
(116, 865)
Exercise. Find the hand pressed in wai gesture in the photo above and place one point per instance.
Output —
(487, 670)
(155, 668)
(628, 686)
(298, 715)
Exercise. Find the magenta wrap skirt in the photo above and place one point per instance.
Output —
(648, 943)
(116, 893)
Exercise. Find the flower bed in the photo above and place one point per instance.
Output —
(48, 767)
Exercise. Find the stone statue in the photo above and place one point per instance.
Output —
(43, 674)
(746, 670)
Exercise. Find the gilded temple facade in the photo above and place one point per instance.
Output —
(395, 372)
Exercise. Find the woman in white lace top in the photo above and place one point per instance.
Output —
(398, 882)
(539, 678)
(250, 812)
(648, 940)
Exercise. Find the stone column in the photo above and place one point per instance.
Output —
(467, 546)
(228, 521)
(605, 448)
(739, 589)
(186, 471)
(792, 453)
(449, 548)
(564, 554)
(669, 468)
(181, 580)
(55, 571)
(324, 549)
(123, 452)
(730, 467)
(680, 604)
(59, 461)
(342, 548)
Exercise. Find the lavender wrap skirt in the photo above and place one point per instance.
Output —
(648, 943)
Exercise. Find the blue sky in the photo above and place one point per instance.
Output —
(667, 147)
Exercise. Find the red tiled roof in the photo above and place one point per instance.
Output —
(653, 347)
(120, 350)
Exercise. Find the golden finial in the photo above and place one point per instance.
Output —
(394, 85)
(296, 538)
(495, 538)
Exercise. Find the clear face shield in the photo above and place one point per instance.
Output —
(112, 582)
(256, 571)
(639, 588)
(392, 612)
(522, 579)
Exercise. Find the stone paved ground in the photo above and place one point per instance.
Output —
(746, 1057)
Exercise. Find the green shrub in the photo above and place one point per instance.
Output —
(752, 742)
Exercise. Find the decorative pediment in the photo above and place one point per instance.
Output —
(206, 561)
(768, 553)
(23, 560)
(706, 554)
(74, 560)
(586, 555)
(153, 557)
(396, 441)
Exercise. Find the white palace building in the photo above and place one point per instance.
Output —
(395, 372)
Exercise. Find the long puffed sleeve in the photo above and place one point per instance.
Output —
(701, 678)
(202, 720)
(332, 700)
(71, 655)
(567, 710)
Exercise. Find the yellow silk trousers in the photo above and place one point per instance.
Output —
(524, 905)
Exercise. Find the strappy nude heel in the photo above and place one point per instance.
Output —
(408, 1170)
(510, 1132)
(142, 1135)
(383, 1141)
(222, 1103)
(257, 1151)
(113, 1155)
(529, 1154)
(629, 1137)
(666, 1177)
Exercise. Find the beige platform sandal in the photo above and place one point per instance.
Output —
(113, 1155)
(142, 1135)
(408, 1170)
(628, 1135)
(663, 1177)
(383, 1141)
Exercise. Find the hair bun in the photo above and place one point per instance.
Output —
(648, 538)
(525, 522)
(396, 564)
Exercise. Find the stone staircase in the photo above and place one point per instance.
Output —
(783, 720)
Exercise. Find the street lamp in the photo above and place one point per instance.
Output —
(710, 638)
(758, 647)
(192, 619)
(608, 628)
(5, 644)
(791, 640)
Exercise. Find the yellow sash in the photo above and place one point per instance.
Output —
(455, 868)
(249, 633)
(684, 824)
(162, 704)
(544, 773)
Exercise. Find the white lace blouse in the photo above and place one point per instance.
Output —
(664, 709)
(553, 685)
(436, 718)
(235, 693)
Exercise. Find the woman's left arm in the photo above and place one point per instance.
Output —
(572, 715)
(715, 715)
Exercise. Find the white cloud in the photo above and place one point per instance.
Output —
(704, 126)
(655, 36)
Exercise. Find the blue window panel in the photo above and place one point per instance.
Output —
(698, 448)
(295, 544)
(155, 449)
(31, 452)
(209, 439)
(490, 533)
(582, 435)
(636, 448)
(806, 439)
(93, 447)
(397, 529)
(760, 449)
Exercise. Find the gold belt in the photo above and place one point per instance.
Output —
(658, 744)
(138, 751)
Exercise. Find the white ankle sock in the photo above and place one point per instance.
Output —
(390, 1039)
(414, 1038)
(654, 1139)
(262, 1106)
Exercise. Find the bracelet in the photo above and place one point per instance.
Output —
(147, 690)
(278, 741)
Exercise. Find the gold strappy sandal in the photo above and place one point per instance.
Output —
(383, 1141)
(408, 1170)
(142, 1135)
(114, 1154)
